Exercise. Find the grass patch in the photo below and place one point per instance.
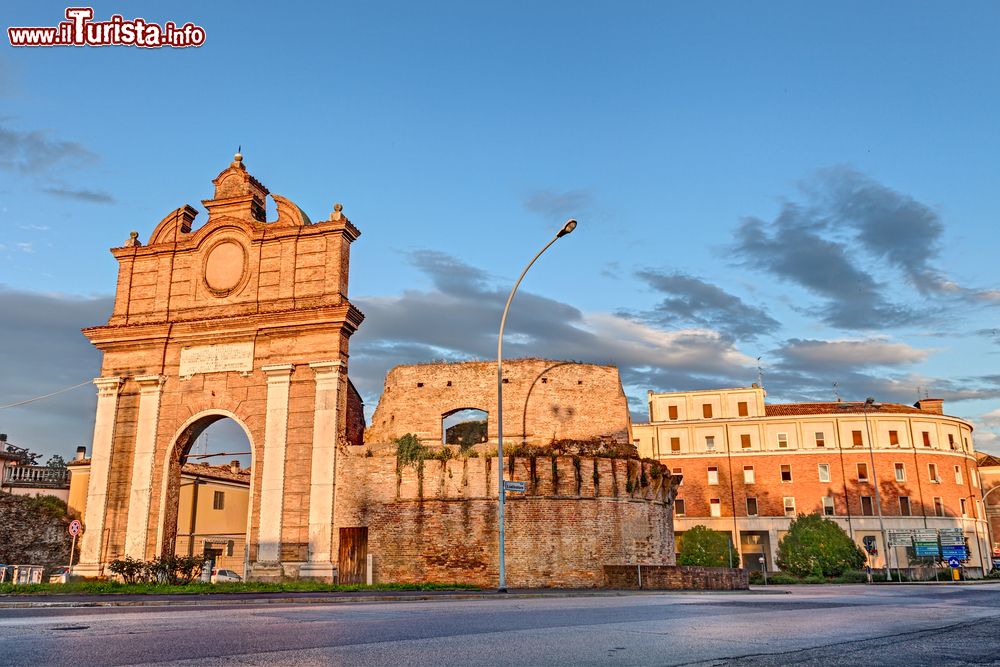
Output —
(196, 588)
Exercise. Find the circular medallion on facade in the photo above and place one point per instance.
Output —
(225, 267)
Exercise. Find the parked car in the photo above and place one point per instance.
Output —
(220, 576)
(60, 575)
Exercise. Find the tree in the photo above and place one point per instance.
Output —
(56, 461)
(705, 547)
(817, 546)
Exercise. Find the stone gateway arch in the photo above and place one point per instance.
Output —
(242, 318)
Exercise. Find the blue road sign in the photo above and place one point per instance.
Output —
(954, 563)
(949, 551)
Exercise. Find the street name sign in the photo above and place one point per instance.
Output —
(515, 487)
(901, 538)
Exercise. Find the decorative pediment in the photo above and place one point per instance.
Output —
(174, 225)
(289, 214)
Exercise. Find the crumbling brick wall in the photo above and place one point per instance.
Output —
(355, 416)
(437, 522)
(544, 400)
(675, 577)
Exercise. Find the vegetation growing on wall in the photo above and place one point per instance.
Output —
(410, 451)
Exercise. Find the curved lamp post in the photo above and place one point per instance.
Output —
(567, 228)
(870, 403)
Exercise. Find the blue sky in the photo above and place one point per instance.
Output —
(811, 184)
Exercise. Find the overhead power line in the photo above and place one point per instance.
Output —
(39, 398)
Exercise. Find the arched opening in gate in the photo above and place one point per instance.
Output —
(465, 427)
(208, 493)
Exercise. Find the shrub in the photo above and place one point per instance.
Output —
(994, 574)
(817, 546)
(131, 570)
(853, 577)
(705, 547)
(174, 570)
(50, 505)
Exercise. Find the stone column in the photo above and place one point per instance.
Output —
(150, 388)
(322, 484)
(100, 471)
(272, 484)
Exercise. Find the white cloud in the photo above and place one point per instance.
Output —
(851, 353)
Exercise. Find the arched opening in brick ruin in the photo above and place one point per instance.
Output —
(465, 427)
(208, 492)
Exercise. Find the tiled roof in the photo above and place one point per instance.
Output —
(199, 469)
(794, 409)
(988, 460)
(216, 472)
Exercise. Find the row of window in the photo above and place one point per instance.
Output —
(781, 440)
(742, 409)
(867, 506)
(749, 476)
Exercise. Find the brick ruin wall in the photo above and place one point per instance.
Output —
(675, 578)
(544, 400)
(438, 523)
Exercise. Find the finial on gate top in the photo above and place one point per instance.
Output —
(133, 240)
(338, 214)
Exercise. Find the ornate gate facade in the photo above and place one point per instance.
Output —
(240, 318)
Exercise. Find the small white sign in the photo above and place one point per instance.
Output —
(515, 487)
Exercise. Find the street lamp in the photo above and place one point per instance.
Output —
(763, 567)
(566, 229)
(870, 403)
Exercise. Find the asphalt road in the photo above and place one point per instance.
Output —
(816, 625)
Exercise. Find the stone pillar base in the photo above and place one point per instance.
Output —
(325, 572)
(87, 570)
(266, 572)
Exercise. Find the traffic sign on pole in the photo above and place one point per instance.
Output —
(954, 563)
(75, 527)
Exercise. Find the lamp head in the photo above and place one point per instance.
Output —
(870, 402)
(567, 228)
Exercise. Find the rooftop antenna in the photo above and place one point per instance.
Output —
(836, 391)
(760, 374)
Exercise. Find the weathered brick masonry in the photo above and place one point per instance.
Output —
(675, 577)
(438, 522)
(544, 400)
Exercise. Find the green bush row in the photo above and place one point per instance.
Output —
(170, 570)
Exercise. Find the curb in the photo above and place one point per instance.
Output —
(219, 600)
